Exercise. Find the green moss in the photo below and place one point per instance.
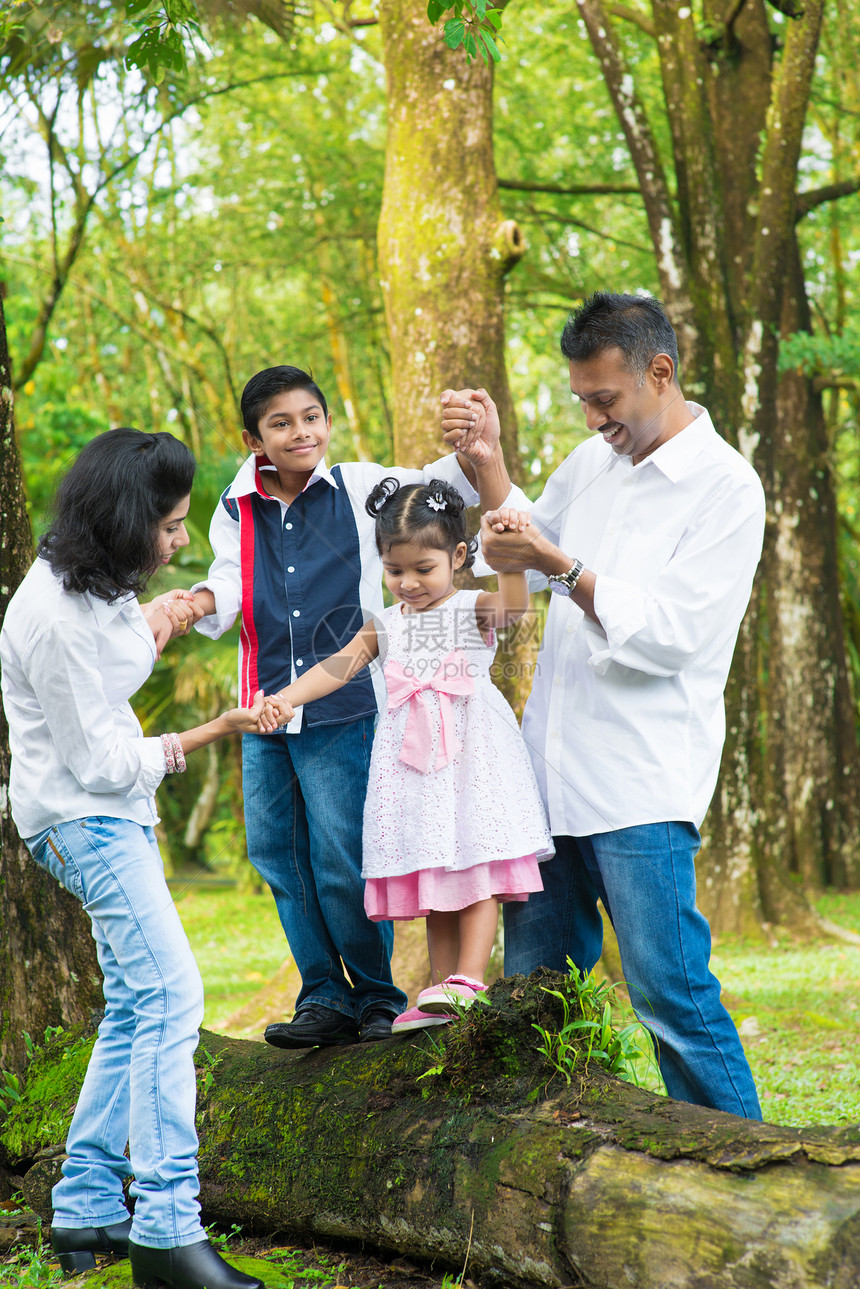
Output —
(53, 1082)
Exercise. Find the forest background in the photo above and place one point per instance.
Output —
(329, 185)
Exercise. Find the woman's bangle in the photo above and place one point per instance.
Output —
(174, 757)
(179, 755)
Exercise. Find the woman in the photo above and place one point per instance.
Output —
(75, 646)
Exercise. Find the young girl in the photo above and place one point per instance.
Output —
(453, 823)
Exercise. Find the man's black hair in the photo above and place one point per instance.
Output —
(635, 324)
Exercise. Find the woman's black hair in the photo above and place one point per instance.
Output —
(425, 514)
(104, 534)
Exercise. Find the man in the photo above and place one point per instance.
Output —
(649, 533)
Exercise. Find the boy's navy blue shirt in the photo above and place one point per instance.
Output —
(304, 577)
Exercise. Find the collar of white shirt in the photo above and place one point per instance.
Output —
(103, 612)
(246, 479)
(675, 458)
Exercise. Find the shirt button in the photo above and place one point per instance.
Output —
(297, 613)
(300, 662)
(288, 525)
(291, 569)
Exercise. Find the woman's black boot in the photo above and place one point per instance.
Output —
(190, 1266)
(76, 1247)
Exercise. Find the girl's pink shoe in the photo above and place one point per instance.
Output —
(416, 1019)
(451, 996)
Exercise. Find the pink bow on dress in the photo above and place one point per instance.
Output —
(452, 677)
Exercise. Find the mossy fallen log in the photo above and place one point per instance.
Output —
(596, 1183)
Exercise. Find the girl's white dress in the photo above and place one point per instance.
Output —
(453, 813)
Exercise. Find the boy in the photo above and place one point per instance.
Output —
(295, 554)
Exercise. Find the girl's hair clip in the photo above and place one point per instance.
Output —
(437, 503)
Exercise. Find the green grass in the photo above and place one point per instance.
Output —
(797, 1011)
(237, 940)
(797, 1005)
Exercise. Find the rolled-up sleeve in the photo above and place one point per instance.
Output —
(87, 733)
(699, 595)
(225, 575)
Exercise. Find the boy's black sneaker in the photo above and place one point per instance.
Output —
(375, 1025)
(313, 1026)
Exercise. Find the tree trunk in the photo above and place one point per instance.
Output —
(490, 1164)
(444, 253)
(444, 247)
(48, 969)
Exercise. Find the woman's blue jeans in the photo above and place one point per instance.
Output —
(304, 805)
(140, 1083)
(646, 879)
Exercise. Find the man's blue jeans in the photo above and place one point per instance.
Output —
(304, 803)
(646, 878)
(140, 1084)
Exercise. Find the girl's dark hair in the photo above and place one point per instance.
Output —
(104, 536)
(431, 514)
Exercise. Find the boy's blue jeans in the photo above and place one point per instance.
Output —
(140, 1084)
(304, 803)
(646, 878)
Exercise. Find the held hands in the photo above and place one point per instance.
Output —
(170, 615)
(183, 610)
(470, 424)
(268, 714)
(507, 520)
(509, 542)
(246, 720)
(276, 712)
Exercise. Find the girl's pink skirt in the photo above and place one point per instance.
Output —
(435, 890)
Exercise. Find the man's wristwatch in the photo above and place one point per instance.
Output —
(565, 583)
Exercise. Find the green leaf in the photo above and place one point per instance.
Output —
(490, 46)
(454, 32)
(137, 6)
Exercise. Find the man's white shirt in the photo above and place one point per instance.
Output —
(626, 722)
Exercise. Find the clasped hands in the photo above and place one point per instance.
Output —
(171, 614)
(470, 425)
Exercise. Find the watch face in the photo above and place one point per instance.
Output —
(560, 588)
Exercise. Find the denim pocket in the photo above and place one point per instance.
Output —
(50, 852)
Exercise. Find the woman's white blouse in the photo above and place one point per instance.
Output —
(70, 664)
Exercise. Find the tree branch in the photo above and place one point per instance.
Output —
(775, 220)
(569, 190)
(554, 217)
(807, 201)
(346, 25)
(662, 223)
(634, 16)
(791, 8)
(733, 14)
(821, 383)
